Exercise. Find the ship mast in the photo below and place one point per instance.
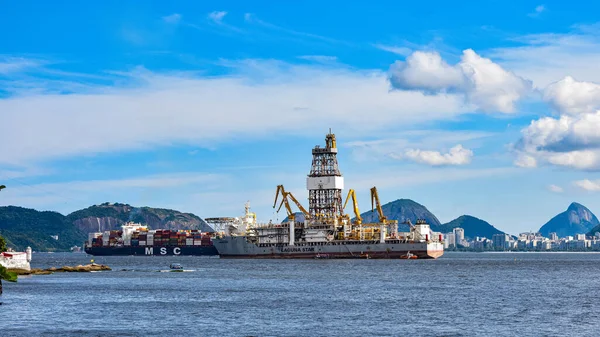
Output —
(325, 184)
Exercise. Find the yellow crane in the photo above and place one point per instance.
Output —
(392, 224)
(284, 201)
(352, 194)
(375, 197)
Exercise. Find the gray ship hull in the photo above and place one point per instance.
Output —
(239, 247)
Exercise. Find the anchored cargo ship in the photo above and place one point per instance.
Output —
(325, 231)
(136, 239)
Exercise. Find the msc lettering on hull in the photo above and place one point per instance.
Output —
(162, 251)
(297, 250)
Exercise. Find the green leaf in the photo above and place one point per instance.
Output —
(7, 275)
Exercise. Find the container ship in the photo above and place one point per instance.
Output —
(137, 239)
(324, 231)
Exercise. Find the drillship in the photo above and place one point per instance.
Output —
(325, 231)
(137, 239)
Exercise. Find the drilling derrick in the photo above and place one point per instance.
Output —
(325, 183)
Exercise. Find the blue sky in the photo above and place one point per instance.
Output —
(477, 108)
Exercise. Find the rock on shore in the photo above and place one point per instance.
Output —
(67, 269)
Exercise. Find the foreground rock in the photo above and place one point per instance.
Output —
(65, 269)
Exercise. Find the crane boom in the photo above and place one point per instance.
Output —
(300, 207)
(284, 201)
(375, 197)
(352, 194)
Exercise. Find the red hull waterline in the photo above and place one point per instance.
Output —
(431, 254)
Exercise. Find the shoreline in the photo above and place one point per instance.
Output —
(64, 269)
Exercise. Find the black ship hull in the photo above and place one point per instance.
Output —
(152, 250)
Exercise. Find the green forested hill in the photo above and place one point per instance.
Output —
(22, 227)
(473, 227)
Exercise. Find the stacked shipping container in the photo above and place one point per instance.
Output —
(159, 237)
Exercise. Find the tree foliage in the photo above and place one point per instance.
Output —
(2, 244)
(22, 227)
(7, 275)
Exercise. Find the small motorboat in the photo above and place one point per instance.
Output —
(175, 266)
(408, 256)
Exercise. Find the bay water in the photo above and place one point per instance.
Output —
(459, 294)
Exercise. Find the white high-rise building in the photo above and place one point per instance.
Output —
(449, 240)
(459, 235)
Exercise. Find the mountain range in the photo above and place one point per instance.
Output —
(406, 209)
(577, 219)
(24, 227)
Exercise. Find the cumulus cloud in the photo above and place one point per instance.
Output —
(184, 108)
(555, 189)
(217, 16)
(484, 83)
(426, 71)
(570, 141)
(588, 185)
(572, 97)
(525, 161)
(456, 156)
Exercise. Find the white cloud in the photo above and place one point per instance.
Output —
(253, 19)
(156, 109)
(525, 161)
(319, 58)
(484, 83)
(385, 148)
(588, 185)
(82, 193)
(555, 189)
(537, 11)
(456, 156)
(22, 172)
(404, 51)
(426, 71)
(573, 97)
(217, 16)
(172, 19)
(570, 141)
(390, 179)
(151, 181)
(11, 65)
(545, 58)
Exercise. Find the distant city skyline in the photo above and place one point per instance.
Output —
(526, 241)
(478, 108)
